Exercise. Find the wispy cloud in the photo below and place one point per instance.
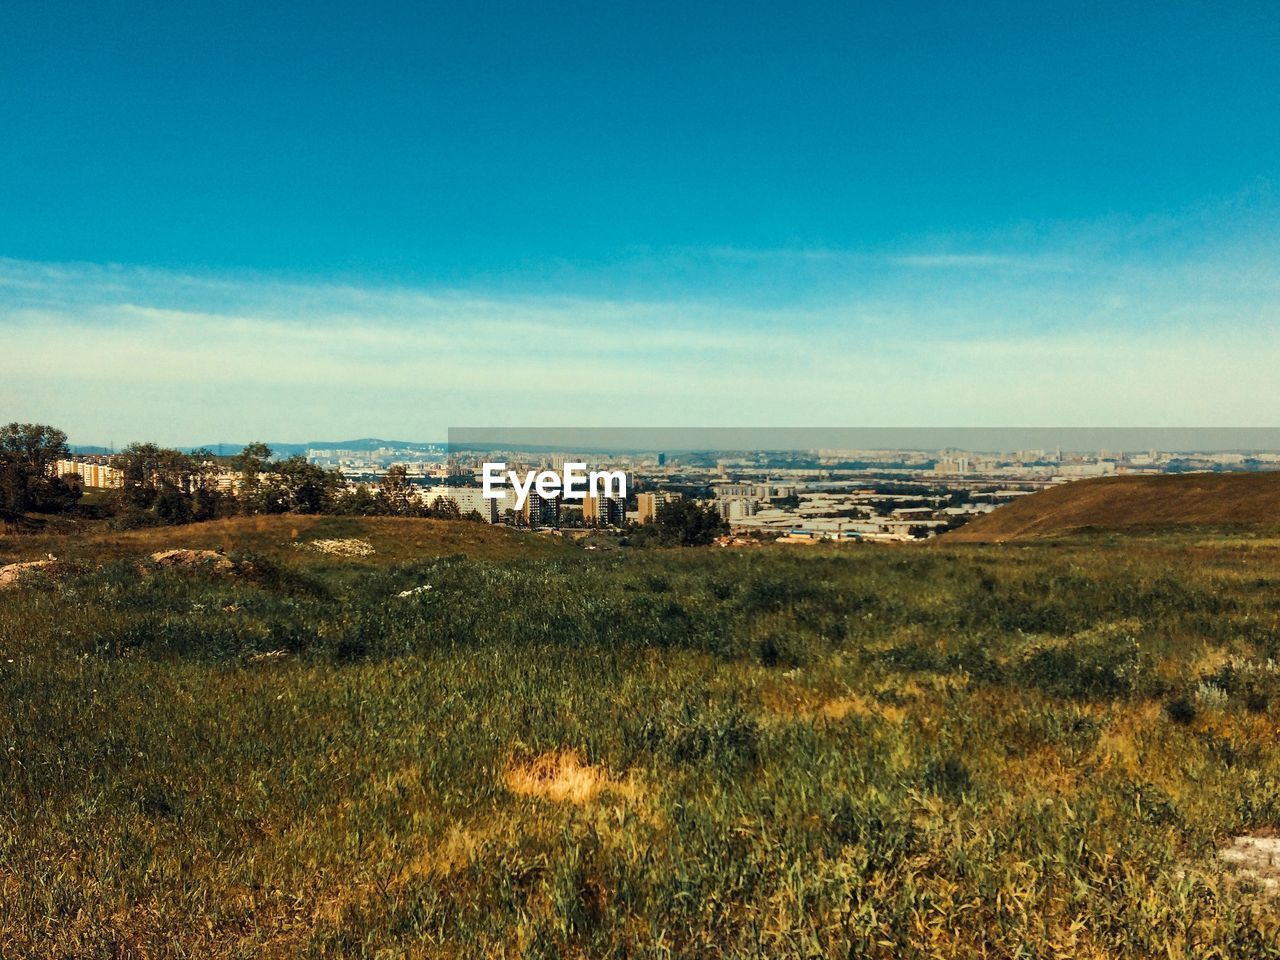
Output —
(1046, 337)
(979, 261)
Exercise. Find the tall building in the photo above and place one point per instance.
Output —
(648, 505)
(736, 508)
(467, 499)
(91, 474)
(540, 511)
(761, 491)
(604, 511)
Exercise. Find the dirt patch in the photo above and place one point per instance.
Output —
(565, 778)
(1255, 858)
(11, 574)
(192, 558)
(341, 547)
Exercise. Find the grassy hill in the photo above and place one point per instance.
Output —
(279, 538)
(1248, 500)
(481, 743)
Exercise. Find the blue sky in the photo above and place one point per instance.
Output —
(220, 221)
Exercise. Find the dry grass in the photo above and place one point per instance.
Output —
(564, 777)
(187, 558)
(861, 706)
(339, 547)
(1115, 503)
(392, 538)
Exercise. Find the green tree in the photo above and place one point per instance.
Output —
(307, 488)
(208, 499)
(171, 504)
(444, 508)
(163, 485)
(359, 501)
(251, 462)
(395, 492)
(685, 523)
(28, 459)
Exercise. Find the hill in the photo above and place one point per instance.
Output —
(1117, 503)
(394, 539)
(531, 750)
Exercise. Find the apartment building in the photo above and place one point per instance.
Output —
(604, 511)
(649, 504)
(91, 473)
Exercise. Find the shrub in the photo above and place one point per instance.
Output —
(1180, 709)
(947, 776)
(1106, 668)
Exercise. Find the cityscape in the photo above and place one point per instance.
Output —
(785, 496)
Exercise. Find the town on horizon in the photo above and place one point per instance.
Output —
(797, 495)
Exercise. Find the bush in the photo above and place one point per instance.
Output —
(947, 776)
(1107, 668)
(1180, 709)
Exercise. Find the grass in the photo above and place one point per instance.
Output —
(1235, 503)
(950, 751)
(276, 537)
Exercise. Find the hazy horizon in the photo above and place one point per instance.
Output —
(677, 440)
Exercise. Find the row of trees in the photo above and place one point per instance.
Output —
(169, 486)
(163, 485)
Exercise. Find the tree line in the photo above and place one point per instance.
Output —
(163, 485)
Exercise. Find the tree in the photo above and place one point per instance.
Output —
(446, 508)
(359, 501)
(171, 505)
(252, 461)
(395, 492)
(307, 488)
(28, 462)
(147, 468)
(165, 485)
(684, 523)
(208, 499)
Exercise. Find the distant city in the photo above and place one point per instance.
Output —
(792, 496)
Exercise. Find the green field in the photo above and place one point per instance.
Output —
(928, 750)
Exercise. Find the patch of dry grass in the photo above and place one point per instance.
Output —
(565, 777)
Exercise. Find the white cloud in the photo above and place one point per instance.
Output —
(120, 353)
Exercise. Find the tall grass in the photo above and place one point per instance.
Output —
(867, 752)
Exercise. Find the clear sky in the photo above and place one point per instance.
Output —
(233, 220)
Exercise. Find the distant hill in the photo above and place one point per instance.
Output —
(363, 445)
(1117, 503)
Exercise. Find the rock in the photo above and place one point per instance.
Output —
(12, 573)
(341, 547)
(190, 558)
(1255, 858)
